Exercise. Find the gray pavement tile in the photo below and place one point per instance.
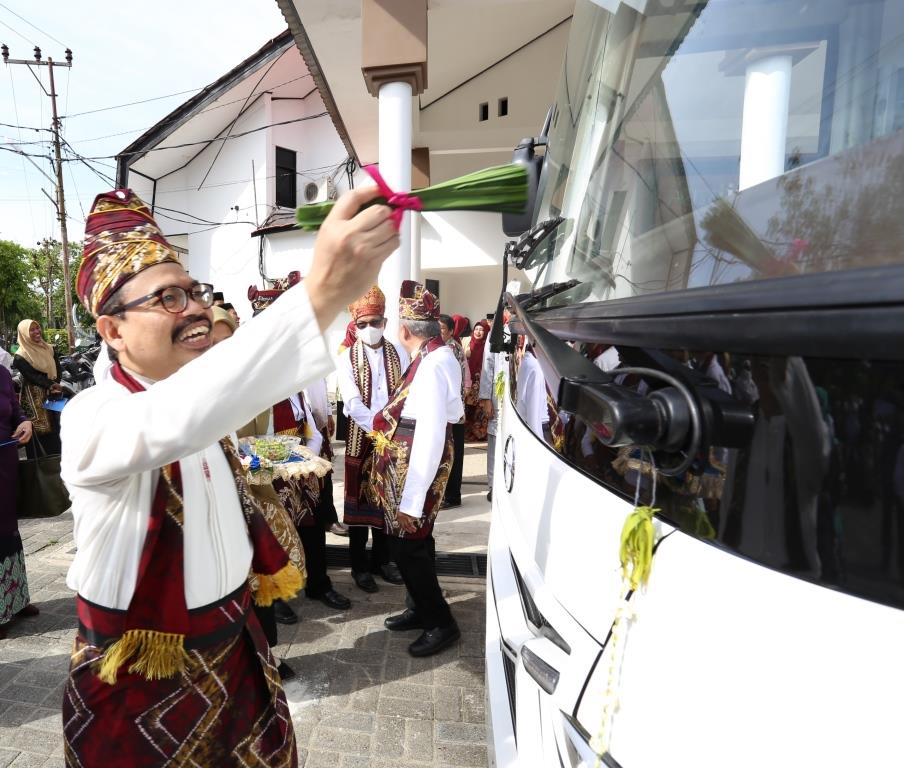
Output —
(340, 740)
(389, 737)
(406, 690)
(405, 708)
(350, 721)
(9, 672)
(464, 672)
(419, 740)
(318, 759)
(27, 694)
(470, 755)
(7, 756)
(26, 760)
(473, 705)
(467, 733)
(447, 703)
(27, 740)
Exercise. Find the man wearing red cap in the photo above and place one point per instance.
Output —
(411, 464)
(170, 666)
(369, 372)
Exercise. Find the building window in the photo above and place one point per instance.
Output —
(483, 113)
(432, 286)
(285, 178)
(503, 106)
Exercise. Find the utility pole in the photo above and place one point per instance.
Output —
(56, 129)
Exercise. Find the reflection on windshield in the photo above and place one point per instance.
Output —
(713, 142)
(814, 487)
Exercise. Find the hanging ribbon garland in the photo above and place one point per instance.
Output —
(638, 538)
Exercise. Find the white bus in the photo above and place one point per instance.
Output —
(716, 308)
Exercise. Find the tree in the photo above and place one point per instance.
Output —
(47, 269)
(17, 298)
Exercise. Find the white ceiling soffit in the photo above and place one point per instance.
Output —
(284, 75)
(465, 39)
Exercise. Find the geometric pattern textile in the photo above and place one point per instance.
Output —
(13, 585)
(227, 708)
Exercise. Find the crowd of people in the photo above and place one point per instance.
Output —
(184, 564)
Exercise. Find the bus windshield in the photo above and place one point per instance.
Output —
(699, 143)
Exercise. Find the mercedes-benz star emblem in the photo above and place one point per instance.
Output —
(508, 463)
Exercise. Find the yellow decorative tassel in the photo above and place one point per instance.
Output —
(636, 550)
(382, 444)
(282, 585)
(157, 655)
(499, 385)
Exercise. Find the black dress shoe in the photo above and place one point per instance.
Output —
(434, 640)
(402, 622)
(285, 671)
(333, 599)
(450, 504)
(284, 613)
(390, 573)
(365, 581)
(490, 496)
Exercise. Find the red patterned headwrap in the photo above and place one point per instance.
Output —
(262, 298)
(417, 303)
(121, 240)
(371, 303)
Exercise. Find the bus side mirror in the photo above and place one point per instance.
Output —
(516, 224)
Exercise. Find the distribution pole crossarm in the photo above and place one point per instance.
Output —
(60, 202)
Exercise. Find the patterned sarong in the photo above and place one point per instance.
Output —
(226, 708)
(358, 510)
(393, 438)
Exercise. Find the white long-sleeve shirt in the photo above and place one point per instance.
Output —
(354, 406)
(531, 404)
(434, 400)
(315, 395)
(115, 442)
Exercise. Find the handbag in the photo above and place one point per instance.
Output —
(41, 490)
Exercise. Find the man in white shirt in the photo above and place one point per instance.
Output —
(412, 462)
(369, 372)
(170, 665)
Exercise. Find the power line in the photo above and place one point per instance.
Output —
(33, 26)
(27, 40)
(31, 213)
(130, 103)
(210, 141)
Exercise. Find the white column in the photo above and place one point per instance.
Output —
(395, 167)
(764, 128)
(415, 230)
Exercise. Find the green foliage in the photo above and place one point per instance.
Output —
(18, 300)
(56, 337)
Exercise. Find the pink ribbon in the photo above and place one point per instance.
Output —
(398, 201)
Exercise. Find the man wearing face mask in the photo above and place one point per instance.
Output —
(369, 372)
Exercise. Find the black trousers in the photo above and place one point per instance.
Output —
(313, 541)
(453, 488)
(325, 511)
(416, 559)
(362, 562)
(267, 618)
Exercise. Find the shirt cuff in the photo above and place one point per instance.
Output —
(413, 506)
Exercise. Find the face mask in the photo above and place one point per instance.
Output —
(370, 335)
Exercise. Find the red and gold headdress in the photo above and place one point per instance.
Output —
(121, 240)
(371, 303)
(417, 303)
(262, 298)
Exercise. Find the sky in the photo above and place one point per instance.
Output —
(122, 53)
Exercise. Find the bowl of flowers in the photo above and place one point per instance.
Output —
(269, 457)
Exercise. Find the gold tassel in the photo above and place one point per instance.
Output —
(636, 550)
(382, 444)
(156, 655)
(282, 585)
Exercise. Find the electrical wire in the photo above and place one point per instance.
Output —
(31, 214)
(33, 26)
(209, 141)
(27, 40)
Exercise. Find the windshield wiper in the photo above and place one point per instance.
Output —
(530, 300)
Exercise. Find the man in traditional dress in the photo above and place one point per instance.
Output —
(170, 666)
(300, 496)
(369, 371)
(411, 463)
(447, 328)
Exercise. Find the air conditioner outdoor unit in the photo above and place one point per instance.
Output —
(320, 191)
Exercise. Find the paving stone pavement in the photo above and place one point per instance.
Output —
(359, 698)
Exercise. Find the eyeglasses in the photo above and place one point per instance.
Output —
(173, 298)
(362, 324)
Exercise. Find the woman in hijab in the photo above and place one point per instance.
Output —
(461, 327)
(15, 430)
(37, 362)
(475, 417)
